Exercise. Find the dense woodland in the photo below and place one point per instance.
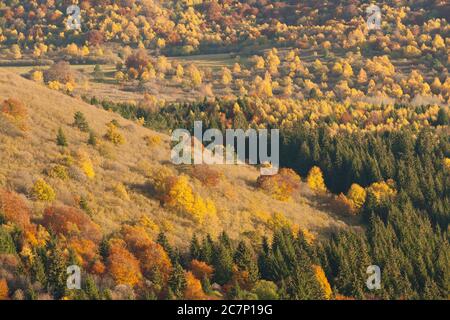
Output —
(364, 123)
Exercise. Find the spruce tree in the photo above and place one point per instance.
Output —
(177, 282)
(61, 138)
(79, 121)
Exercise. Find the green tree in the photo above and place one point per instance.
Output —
(61, 138)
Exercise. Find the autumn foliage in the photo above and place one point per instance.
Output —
(122, 265)
(14, 209)
(70, 222)
(280, 186)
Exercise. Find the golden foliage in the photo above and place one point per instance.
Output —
(315, 180)
(182, 198)
(3, 290)
(14, 209)
(113, 134)
(201, 269)
(194, 290)
(323, 281)
(16, 112)
(123, 265)
(381, 190)
(43, 191)
(280, 186)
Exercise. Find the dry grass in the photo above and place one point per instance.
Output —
(25, 158)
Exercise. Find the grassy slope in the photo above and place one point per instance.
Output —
(23, 159)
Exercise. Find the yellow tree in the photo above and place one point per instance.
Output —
(323, 281)
(315, 180)
(357, 195)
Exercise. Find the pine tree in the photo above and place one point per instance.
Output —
(195, 248)
(56, 270)
(177, 282)
(92, 138)
(79, 121)
(91, 289)
(61, 138)
(245, 261)
(222, 263)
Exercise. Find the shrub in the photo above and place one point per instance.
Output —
(92, 138)
(43, 192)
(59, 172)
(80, 121)
(15, 111)
(113, 135)
(59, 72)
(153, 140)
(280, 186)
(207, 176)
(121, 192)
(85, 164)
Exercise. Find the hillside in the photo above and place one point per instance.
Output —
(240, 206)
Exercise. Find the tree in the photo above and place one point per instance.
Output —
(323, 281)
(266, 290)
(4, 295)
(113, 134)
(154, 260)
(178, 282)
(138, 61)
(71, 223)
(222, 263)
(92, 140)
(357, 195)
(79, 121)
(245, 261)
(43, 191)
(61, 138)
(315, 180)
(443, 117)
(60, 72)
(227, 76)
(14, 209)
(123, 265)
(194, 290)
(201, 269)
(56, 270)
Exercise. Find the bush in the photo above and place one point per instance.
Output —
(152, 141)
(59, 172)
(43, 192)
(121, 192)
(280, 186)
(85, 164)
(80, 121)
(207, 176)
(15, 111)
(113, 135)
